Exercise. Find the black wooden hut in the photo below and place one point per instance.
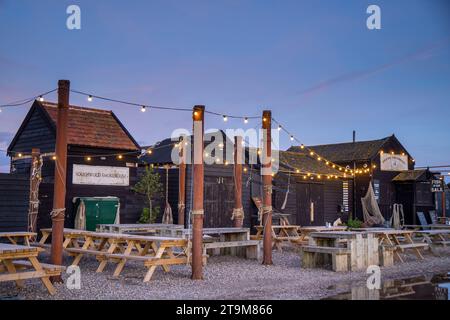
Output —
(413, 190)
(377, 161)
(330, 195)
(317, 194)
(218, 180)
(96, 140)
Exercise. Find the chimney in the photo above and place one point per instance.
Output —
(354, 136)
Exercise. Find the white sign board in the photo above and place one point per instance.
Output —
(99, 175)
(393, 162)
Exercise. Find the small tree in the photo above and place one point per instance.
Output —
(151, 187)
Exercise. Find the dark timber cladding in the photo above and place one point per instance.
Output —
(91, 133)
(332, 198)
(218, 200)
(310, 201)
(366, 154)
(14, 197)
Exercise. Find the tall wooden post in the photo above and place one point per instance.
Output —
(266, 171)
(197, 210)
(59, 189)
(444, 214)
(182, 183)
(238, 211)
(35, 179)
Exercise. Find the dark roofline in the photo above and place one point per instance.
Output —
(383, 141)
(35, 106)
(125, 130)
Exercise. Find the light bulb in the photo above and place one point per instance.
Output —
(225, 118)
(292, 138)
(279, 127)
(143, 108)
(90, 98)
(245, 120)
(41, 98)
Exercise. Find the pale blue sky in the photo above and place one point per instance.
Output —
(313, 63)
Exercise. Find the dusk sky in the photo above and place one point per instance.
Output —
(315, 64)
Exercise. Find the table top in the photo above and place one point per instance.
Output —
(335, 234)
(322, 228)
(394, 232)
(114, 235)
(370, 229)
(434, 231)
(288, 226)
(142, 225)
(220, 230)
(17, 234)
(14, 248)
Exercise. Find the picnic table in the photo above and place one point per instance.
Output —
(18, 263)
(344, 250)
(228, 241)
(119, 248)
(148, 228)
(18, 237)
(399, 241)
(434, 238)
(280, 233)
(216, 241)
(306, 231)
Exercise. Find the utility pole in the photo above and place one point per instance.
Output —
(182, 183)
(59, 189)
(238, 211)
(197, 210)
(266, 171)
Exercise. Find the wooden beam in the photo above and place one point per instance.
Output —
(182, 182)
(59, 187)
(266, 171)
(197, 209)
(238, 212)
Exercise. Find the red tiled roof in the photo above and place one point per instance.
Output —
(93, 128)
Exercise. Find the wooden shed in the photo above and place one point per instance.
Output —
(378, 161)
(99, 148)
(329, 198)
(413, 190)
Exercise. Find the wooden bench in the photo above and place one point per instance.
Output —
(313, 256)
(50, 269)
(252, 247)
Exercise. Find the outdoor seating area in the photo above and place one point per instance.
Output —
(118, 248)
(19, 263)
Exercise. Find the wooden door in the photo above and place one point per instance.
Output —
(316, 199)
(210, 201)
(310, 204)
(218, 201)
(226, 201)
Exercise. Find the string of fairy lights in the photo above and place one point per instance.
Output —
(341, 171)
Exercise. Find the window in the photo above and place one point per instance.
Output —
(345, 195)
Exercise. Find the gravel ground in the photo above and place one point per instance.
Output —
(225, 277)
